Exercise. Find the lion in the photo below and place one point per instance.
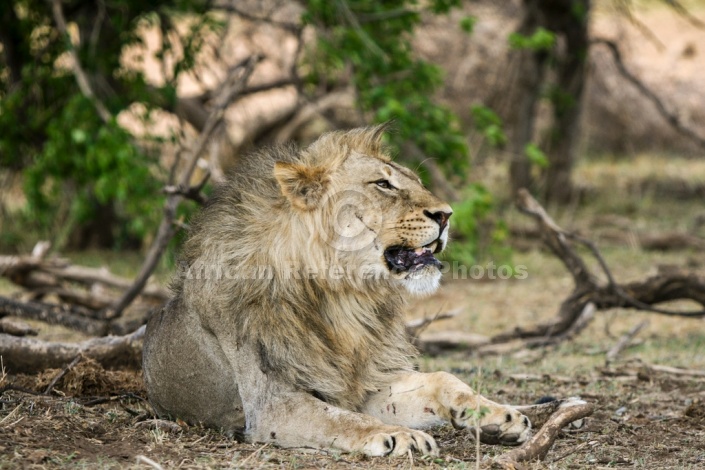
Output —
(286, 323)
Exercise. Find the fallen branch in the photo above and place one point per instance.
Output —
(667, 241)
(572, 315)
(670, 241)
(674, 370)
(65, 315)
(27, 355)
(540, 443)
(92, 288)
(440, 342)
(61, 373)
(16, 327)
(623, 342)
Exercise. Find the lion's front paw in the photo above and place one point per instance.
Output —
(399, 443)
(498, 425)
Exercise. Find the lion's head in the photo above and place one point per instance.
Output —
(374, 217)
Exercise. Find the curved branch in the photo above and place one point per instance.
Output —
(670, 117)
(81, 78)
(540, 443)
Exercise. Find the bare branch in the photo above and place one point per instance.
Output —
(624, 342)
(81, 78)
(284, 82)
(415, 327)
(589, 295)
(682, 11)
(234, 83)
(670, 117)
(625, 8)
(193, 192)
(231, 8)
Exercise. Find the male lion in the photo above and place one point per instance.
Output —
(286, 321)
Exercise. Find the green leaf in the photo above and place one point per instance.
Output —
(541, 40)
(536, 155)
(489, 124)
(78, 136)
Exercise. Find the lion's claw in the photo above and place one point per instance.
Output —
(399, 443)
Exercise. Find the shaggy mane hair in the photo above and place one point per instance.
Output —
(339, 339)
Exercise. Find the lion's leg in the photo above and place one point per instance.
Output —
(278, 413)
(420, 401)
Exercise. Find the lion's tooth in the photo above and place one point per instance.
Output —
(420, 251)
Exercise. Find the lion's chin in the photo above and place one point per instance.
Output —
(422, 282)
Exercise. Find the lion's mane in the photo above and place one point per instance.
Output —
(337, 338)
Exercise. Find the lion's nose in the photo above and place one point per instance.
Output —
(440, 217)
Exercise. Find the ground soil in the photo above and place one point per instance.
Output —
(642, 421)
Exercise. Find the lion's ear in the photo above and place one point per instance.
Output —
(304, 186)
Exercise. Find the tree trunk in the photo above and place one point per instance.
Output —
(525, 94)
(569, 19)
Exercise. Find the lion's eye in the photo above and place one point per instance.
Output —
(384, 184)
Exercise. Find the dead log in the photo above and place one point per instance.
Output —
(540, 443)
(28, 355)
(541, 413)
(674, 370)
(56, 276)
(443, 341)
(230, 88)
(66, 315)
(16, 328)
(671, 241)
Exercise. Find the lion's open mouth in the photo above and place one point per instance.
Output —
(400, 258)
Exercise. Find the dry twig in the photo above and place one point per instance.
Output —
(623, 342)
(63, 372)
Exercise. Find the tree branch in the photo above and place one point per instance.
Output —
(231, 87)
(671, 118)
(231, 8)
(81, 78)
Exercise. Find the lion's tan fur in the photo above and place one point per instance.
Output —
(260, 335)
